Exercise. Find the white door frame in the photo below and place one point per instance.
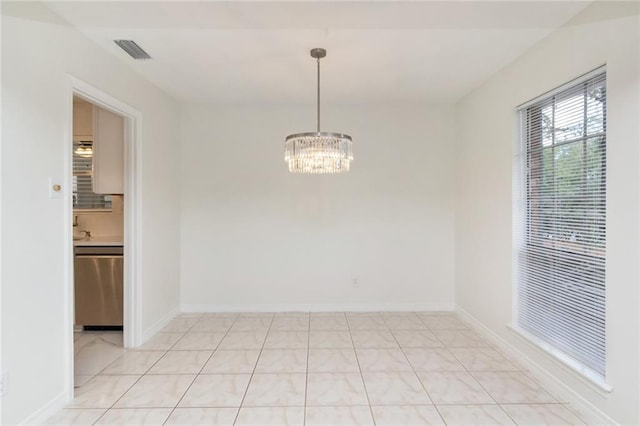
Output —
(132, 216)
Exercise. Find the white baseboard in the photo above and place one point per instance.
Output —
(160, 324)
(46, 411)
(318, 307)
(589, 412)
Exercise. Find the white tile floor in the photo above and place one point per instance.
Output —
(306, 369)
(93, 351)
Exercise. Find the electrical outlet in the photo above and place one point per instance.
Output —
(4, 384)
(356, 283)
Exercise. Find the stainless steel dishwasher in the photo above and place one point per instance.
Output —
(98, 285)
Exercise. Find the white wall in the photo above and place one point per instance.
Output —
(37, 53)
(256, 237)
(486, 130)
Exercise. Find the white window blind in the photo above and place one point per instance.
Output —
(560, 228)
(83, 195)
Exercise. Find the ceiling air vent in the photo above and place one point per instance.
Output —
(135, 51)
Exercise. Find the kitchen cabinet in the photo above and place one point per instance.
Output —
(108, 152)
(82, 120)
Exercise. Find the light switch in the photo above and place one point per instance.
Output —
(55, 188)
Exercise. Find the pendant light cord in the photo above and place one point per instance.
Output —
(318, 96)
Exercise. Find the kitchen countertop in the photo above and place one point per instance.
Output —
(99, 241)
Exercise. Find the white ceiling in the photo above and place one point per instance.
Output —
(239, 52)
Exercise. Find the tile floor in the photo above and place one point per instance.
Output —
(93, 351)
(306, 369)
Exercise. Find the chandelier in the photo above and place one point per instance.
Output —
(318, 152)
(83, 149)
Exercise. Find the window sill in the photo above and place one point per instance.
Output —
(590, 377)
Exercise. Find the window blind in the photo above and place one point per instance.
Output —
(560, 221)
(83, 195)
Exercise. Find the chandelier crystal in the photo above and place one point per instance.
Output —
(318, 152)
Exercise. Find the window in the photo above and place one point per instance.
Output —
(560, 224)
(83, 195)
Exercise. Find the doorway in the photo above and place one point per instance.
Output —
(129, 202)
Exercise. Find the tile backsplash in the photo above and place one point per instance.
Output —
(102, 224)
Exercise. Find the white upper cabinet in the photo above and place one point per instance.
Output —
(82, 120)
(108, 152)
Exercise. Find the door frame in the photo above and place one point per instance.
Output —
(132, 303)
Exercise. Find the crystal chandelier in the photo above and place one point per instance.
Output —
(83, 149)
(318, 152)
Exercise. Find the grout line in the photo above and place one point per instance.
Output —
(470, 374)
(364, 385)
(467, 371)
(201, 368)
(414, 370)
(306, 380)
(119, 398)
(485, 404)
(254, 368)
(532, 403)
(98, 335)
(507, 414)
